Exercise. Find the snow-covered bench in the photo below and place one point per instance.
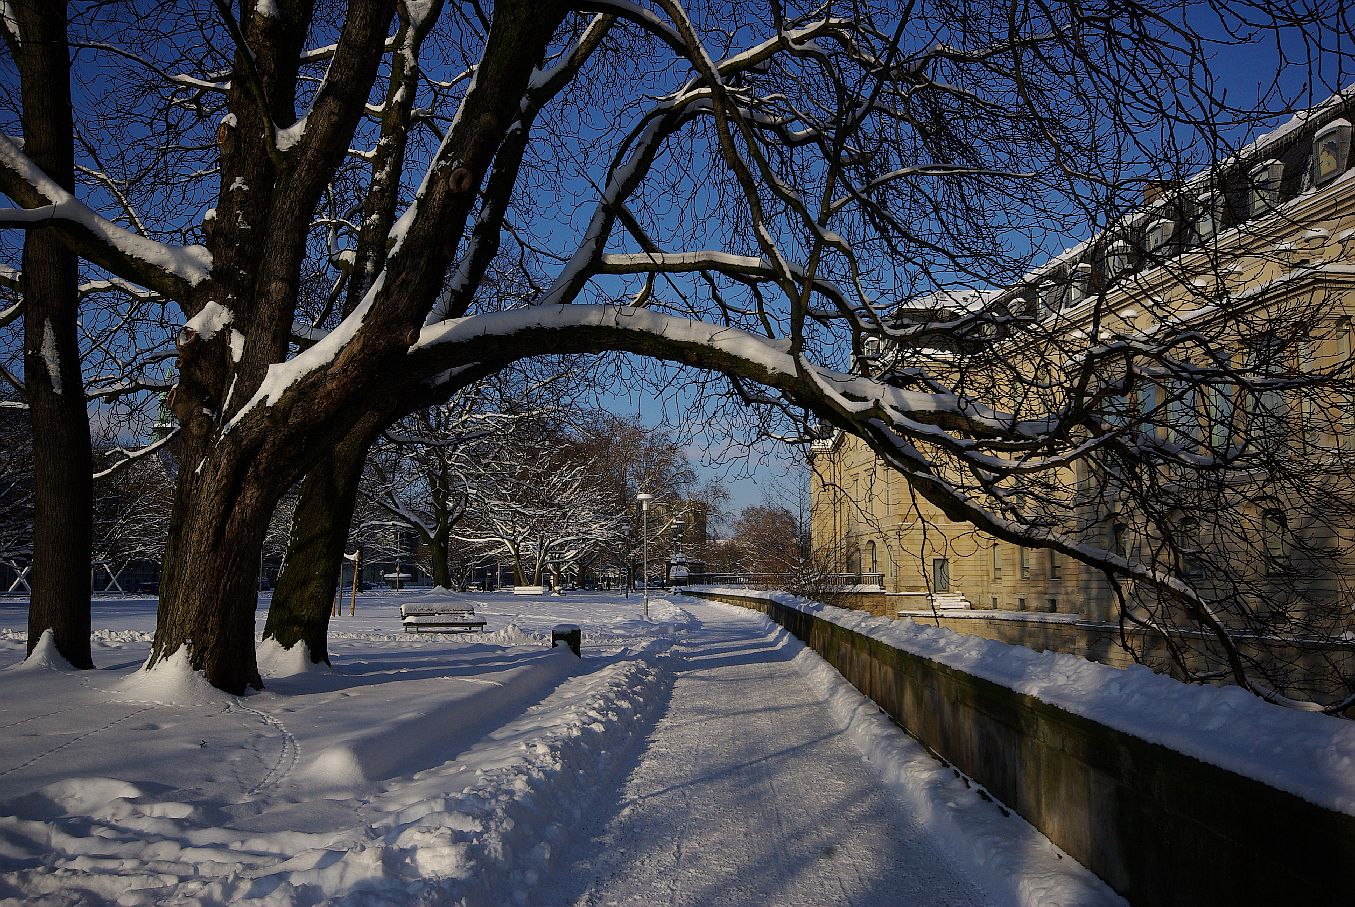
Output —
(434, 619)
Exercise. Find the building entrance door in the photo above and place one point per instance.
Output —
(941, 574)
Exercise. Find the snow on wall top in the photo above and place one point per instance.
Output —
(1307, 754)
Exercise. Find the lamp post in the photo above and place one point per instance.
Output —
(644, 500)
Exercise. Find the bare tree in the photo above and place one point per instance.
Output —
(825, 162)
(769, 540)
(36, 35)
(532, 501)
(131, 514)
(424, 468)
(16, 488)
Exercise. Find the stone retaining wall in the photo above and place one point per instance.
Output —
(1159, 826)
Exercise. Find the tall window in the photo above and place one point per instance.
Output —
(1275, 538)
(1218, 411)
(1346, 369)
(1270, 410)
(1048, 297)
(941, 574)
(1145, 398)
(997, 560)
(1183, 414)
(1188, 543)
(1024, 561)
(1053, 565)
(1119, 539)
(872, 556)
(1307, 403)
(1079, 284)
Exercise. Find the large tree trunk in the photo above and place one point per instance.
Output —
(63, 484)
(209, 588)
(305, 593)
(438, 553)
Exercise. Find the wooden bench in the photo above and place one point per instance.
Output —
(433, 619)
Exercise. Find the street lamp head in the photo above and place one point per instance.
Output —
(644, 499)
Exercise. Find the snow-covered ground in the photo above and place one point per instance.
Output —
(489, 769)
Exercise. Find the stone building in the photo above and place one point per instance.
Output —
(1272, 232)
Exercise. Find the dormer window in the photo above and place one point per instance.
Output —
(1157, 236)
(1264, 196)
(1117, 260)
(1206, 225)
(1331, 150)
(1023, 306)
(872, 348)
(1048, 299)
(1079, 283)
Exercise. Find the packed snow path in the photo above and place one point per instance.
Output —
(748, 793)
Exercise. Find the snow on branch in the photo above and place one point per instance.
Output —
(171, 270)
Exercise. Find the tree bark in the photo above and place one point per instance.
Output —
(437, 560)
(63, 463)
(209, 586)
(234, 469)
(303, 600)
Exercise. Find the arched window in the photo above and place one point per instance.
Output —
(872, 557)
(1331, 148)
(854, 560)
(1117, 259)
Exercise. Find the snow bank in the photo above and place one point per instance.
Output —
(408, 737)
(484, 828)
(1307, 754)
(1001, 850)
(513, 635)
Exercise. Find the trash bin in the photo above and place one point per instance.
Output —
(569, 634)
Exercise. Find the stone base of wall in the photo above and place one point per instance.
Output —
(1160, 827)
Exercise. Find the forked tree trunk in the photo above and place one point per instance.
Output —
(63, 484)
(304, 596)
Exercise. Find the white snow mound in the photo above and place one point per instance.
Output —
(171, 681)
(276, 661)
(44, 656)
